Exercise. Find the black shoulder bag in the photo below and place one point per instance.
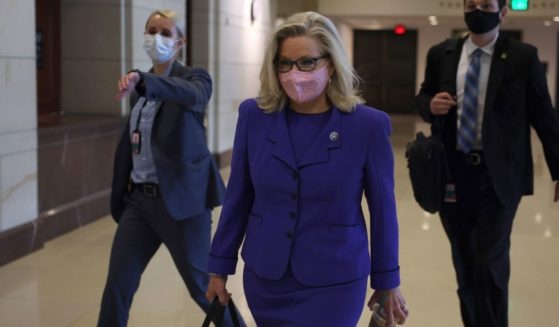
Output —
(428, 167)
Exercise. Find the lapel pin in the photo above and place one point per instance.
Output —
(334, 136)
(504, 55)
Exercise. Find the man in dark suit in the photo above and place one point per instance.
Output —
(487, 90)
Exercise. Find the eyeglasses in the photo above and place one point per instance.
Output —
(304, 65)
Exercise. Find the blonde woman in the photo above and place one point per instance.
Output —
(165, 181)
(304, 153)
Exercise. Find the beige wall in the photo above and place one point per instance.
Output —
(18, 109)
(231, 47)
(90, 63)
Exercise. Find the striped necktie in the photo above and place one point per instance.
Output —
(467, 132)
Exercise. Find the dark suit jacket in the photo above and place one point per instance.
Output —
(517, 98)
(188, 177)
(308, 214)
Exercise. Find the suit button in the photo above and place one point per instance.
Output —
(289, 235)
(295, 175)
(292, 215)
(294, 195)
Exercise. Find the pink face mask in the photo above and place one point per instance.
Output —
(304, 86)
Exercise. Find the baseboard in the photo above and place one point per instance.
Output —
(25, 239)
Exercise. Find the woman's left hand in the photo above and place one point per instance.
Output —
(394, 305)
(126, 84)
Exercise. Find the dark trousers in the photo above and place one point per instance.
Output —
(479, 227)
(144, 225)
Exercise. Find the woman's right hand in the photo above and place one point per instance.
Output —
(126, 84)
(216, 287)
(441, 103)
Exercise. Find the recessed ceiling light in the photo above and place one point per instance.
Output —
(547, 23)
(433, 20)
(556, 19)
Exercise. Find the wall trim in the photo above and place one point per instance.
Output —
(25, 239)
(19, 241)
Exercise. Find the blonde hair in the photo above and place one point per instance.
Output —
(341, 91)
(178, 21)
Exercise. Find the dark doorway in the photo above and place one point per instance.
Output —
(387, 64)
(557, 76)
(47, 18)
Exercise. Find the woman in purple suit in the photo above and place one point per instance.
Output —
(305, 151)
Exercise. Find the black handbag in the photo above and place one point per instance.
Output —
(216, 312)
(428, 168)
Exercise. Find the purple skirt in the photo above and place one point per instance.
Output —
(286, 302)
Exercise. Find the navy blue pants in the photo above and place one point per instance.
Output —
(144, 225)
(479, 227)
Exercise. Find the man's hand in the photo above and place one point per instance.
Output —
(441, 103)
(126, 84)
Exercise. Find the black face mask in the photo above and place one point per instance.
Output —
(481, 22)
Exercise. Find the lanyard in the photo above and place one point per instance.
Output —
(136, 135)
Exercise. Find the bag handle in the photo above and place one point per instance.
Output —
(216, 312)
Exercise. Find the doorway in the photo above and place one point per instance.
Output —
(386, 62)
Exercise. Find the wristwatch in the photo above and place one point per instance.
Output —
(140, 87)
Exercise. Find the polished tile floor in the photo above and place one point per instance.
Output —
(61, 284)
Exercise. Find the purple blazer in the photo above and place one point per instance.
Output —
(309, 214)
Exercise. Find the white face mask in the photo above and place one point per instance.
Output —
(159, 48)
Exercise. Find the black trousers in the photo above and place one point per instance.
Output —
(143, 227)
(479, 227)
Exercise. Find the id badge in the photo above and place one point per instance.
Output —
(136, 142)
(450, 193)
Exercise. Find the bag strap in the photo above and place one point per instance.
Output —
(216, 312)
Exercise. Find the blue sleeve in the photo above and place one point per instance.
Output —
(379, 192)
(192, 89)
(237, 205)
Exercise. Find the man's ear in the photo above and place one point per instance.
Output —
(504, 13)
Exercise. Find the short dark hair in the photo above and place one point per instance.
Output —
(502, 3)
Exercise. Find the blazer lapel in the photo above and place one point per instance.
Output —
(165, 120)
(449, 65)
(498, 65)
(279, 135)
(329, 138)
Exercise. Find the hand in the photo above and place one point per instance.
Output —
(441, 103)
(126, 84)
(394, 305)
(556, 198)
(216, 287)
